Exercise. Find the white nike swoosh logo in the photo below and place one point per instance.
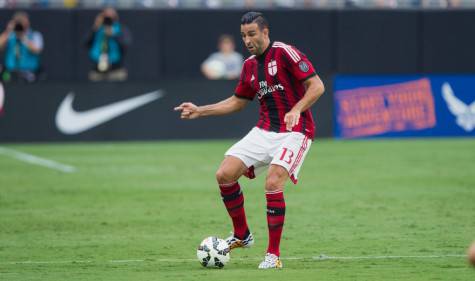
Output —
(72, 122)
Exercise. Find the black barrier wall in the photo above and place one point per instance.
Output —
(126, 111)
(173, 43)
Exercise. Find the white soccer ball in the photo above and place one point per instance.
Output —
(213, 252)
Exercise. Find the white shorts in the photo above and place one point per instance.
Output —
(260, 148)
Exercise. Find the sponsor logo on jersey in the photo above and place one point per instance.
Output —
(265, 89)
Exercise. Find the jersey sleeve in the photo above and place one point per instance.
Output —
(243, 89)
(299, 65)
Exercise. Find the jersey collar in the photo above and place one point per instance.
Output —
(262, 56)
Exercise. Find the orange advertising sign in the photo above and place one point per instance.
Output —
(370, 111)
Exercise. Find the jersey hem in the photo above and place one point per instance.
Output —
(309, 135)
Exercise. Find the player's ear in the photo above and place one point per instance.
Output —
(265, 30)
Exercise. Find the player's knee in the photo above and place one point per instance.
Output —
(224, 176)
(275, 182)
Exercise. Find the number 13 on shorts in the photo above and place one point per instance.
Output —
(287, 155)
(291, 154)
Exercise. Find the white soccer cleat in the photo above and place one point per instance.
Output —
(270, 261)
(234, 242)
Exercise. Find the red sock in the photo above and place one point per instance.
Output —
(234, 201)
(275, 220)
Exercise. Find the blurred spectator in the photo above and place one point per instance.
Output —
(323, 4)
(23, 47)
(8, 3)
(41, 4)
(434, 3)
(242, 4)
(224, 64)
(107, 43)
(448, 3)
(71, 3)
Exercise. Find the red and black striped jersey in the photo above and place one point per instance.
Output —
(276, 77)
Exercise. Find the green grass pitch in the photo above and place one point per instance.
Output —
(137, 211)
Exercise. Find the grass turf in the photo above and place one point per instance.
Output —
(137, 211)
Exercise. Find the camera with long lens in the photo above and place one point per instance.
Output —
(19, 27)
(108, 21)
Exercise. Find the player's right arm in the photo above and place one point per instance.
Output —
(242, 95)
(229, 105)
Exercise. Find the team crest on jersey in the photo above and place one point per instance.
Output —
(303, 66)
(272, 67)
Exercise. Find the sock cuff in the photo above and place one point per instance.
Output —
(275, 195)
(227, 185)
(229, 188)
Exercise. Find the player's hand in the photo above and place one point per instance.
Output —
(188, 110)
(291, 119)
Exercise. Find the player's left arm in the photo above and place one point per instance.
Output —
(314, 90)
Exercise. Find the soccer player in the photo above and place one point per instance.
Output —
(286, 85)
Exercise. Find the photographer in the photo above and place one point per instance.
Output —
(107, 43)
(23, 47)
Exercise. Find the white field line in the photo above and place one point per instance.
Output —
(315, 258)
(35, 160)
(324, 257)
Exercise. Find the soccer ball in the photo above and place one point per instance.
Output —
(213, 252)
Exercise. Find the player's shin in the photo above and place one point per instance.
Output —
(234, 202)
(275, 220)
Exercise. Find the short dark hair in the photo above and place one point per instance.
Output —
(251, 17)
(225, 37)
